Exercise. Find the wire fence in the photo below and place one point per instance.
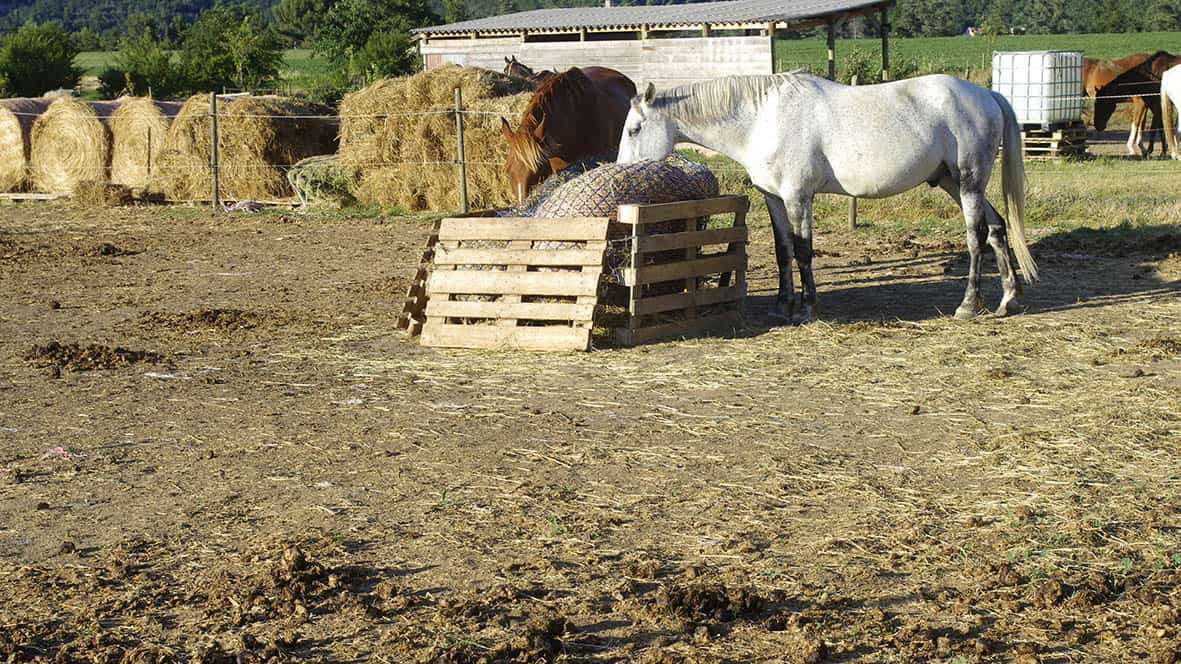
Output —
(261, 171)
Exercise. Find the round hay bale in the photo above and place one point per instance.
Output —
(183, 163)
(139, 128)
(404, 159)
(16, 126)
(258, 139)
(261, 137)
(71, 142)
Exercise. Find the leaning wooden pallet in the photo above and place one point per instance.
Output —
(539, 283)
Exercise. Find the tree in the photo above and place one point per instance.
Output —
(297, 20)
(454, 11)
(38, 57)
(229, 47)
(143, 66)
(371, 38)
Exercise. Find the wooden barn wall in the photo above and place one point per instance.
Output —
(664, 62)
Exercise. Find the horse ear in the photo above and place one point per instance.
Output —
(506, 129)
(539, 131)
(650, 93)
(507, 61)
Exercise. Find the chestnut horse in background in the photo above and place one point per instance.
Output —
(1135, 77)
(516, 69)
(573, 115)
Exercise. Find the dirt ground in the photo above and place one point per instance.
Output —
(215, 448)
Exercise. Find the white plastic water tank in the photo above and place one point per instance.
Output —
(1044, 87)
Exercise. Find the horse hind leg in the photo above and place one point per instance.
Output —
(998, 239)
(972, 204)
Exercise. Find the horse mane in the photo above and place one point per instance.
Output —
(556, 95)
(724, 97)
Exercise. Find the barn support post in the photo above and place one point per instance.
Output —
(213, 168)
(885, 43)
(832, 50)
(459, 152)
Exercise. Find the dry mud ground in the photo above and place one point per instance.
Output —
(214, 447)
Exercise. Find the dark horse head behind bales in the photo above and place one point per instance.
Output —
(573, 115)
(517, 69)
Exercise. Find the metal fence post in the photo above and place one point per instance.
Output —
(853, 199)
(213, 149)
(459, 152)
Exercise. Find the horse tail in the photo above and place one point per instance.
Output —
(1013, 183)
(1169, 114)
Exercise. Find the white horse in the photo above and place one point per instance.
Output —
(1170, 94)
(797, 134)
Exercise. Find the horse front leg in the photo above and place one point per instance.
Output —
(800, 214)
(781, 229)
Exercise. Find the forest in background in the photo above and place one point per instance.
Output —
(100, 24)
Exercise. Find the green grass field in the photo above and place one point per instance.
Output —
(954, 54)
(297, 62)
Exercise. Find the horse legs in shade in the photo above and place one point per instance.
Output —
(800, 214)
(984, 224)
(781, 229)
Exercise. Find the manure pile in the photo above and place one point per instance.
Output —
(397, 137)
(259, 138)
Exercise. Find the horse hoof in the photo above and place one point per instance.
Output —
(778, 320)
(804, 317)
(967, 313)
(1009, 308)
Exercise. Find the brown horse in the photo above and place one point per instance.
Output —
(573, 115)
(517, 69)
(1135, 77)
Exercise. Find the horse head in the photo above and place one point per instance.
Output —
(517, 69)
(527, 163)
(648, 132)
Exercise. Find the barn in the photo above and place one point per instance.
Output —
(663, 44)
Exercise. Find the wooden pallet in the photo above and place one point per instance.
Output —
(519, 295)
(676, 285)
(414, 309)
(1064, 140)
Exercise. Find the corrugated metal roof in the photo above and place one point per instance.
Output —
(715, 13)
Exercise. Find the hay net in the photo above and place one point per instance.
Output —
(600, 192)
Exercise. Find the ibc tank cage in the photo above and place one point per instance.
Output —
(1045, 88)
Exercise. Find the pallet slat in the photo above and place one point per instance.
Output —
(666, 241)
(535, 257)
(495, 282)
(701, 298)
(518, 310)
(578, 229)
(436, 333)
(651, 214)
(684, 269)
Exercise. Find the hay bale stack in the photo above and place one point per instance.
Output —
(259, 138)
(397, 162)
(139, 128)
(71, 143)
(16, 126)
